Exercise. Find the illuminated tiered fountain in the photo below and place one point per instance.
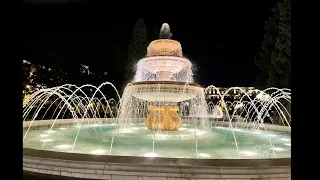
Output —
(163, 79)
(161, 113)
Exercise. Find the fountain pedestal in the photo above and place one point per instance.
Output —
(164, 118)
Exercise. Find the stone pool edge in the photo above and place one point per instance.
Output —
(127, 167)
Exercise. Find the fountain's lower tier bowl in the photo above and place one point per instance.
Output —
(164, 91)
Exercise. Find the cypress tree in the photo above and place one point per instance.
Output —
(137, 48)
(274, 60)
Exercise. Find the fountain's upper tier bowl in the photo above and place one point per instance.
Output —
(156, 64)
(164, 47)
(163, 91)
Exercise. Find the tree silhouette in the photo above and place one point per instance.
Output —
(36, 76)
(274, 60)
(137, 48)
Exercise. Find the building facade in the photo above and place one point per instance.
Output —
(215, 93)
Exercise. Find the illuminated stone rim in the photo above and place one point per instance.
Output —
(108, 167)
(123, 167)
(27, 152)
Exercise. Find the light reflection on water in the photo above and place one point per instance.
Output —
(136, 140)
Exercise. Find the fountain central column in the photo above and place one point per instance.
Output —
(164, 118)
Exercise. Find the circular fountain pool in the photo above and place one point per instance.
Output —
(136, 140)
(161, 94)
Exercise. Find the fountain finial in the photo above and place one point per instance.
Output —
(165, 31)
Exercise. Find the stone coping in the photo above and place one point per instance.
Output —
(41, 123)
(29, 175)
(156, 160)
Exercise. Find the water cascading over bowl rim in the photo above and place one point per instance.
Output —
(107, 167)
(171, 64)
(164, 66)
(167, 60)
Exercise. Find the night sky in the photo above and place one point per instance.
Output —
(221, 39)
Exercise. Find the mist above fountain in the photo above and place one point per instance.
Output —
(163, 79)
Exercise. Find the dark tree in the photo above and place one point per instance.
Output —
(86, 73)
(274, 60)
(263, 61)
(282, 61)
(28, 77)
(36, 77)
(137, 48)
(49, 77)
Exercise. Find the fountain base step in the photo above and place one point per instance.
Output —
(164, 118)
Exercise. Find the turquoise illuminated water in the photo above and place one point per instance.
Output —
(137, 140)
